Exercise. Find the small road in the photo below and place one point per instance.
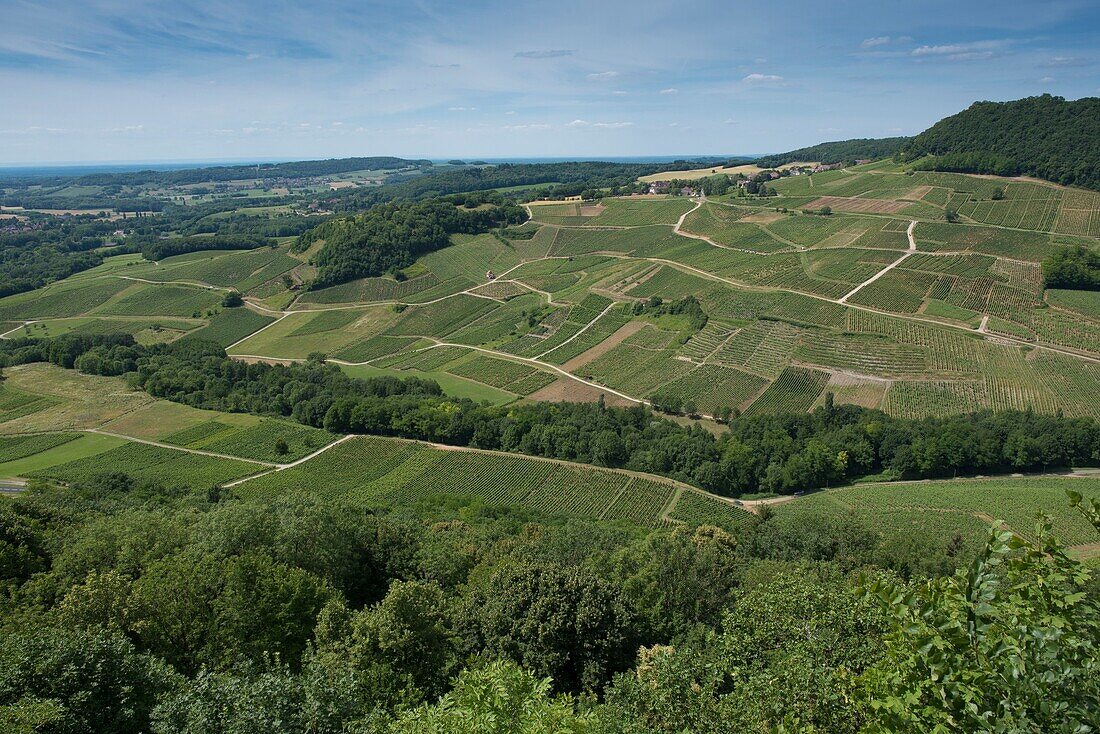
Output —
(582, 330)
(291, 465)
(888, 268)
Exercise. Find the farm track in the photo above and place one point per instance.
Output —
(912, 249)
(197, 452)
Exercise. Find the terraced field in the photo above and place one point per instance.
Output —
(962, 323)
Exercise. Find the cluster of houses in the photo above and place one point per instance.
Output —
(664, 187)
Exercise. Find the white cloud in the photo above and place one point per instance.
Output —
(1056, 61)
(762, 79)
(461, 109)
(876, 41)
(1046, 79)
(602, 76)
(670, 90)
(961, 51)
(528, 126)
(760, 60)
(554, 53)
(603, 125)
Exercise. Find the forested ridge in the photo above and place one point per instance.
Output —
(781, 453)
(840, 151)
(1045, 136)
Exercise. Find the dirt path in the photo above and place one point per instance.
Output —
(888, 268)
(197, 452)
(583, 329)
(291, 465)
(984, 326)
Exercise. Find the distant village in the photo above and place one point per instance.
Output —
(755, 183)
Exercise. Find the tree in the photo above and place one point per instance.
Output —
(281, 447)
(232, 299)
(498, 698)
(84, 682)
(564, 623)
(951, 216)
(1010, 644)
(411, 632)
(825, 211)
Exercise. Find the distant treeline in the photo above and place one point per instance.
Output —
(838, 152)
(548, 179)
(1043, 136)
(294, 169)
(772, 453)
(389, 237)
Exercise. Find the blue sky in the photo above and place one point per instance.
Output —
(107, 80)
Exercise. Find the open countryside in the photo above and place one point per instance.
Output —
(803, 441)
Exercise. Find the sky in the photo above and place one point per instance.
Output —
(114, 80)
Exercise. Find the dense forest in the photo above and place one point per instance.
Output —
(840, 151)
(133, 607)
(1046, 136)
(781, 453)
(389, 237)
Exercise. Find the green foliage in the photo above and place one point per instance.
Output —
(838, 152)
(1010, 644)
(232, 299)
(1042, 136)
(389, 237)
(497, 698)
(73, 682)
(1076, 268)
(560, 622)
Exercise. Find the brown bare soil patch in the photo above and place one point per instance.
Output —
(571, 391)
(764, 217)
(624, 331)
(854, 204)
(592, 211)
(918, 193)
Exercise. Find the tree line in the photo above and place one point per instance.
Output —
(781, 453)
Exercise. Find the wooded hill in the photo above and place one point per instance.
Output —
(1046, 136)
(838, 151)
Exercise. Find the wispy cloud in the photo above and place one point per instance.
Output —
(1065, 61)
(586, 123)
(602, 76)
(756, 78)
(962, 51)
(670, 90)
(880, 41)
(554, 53)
